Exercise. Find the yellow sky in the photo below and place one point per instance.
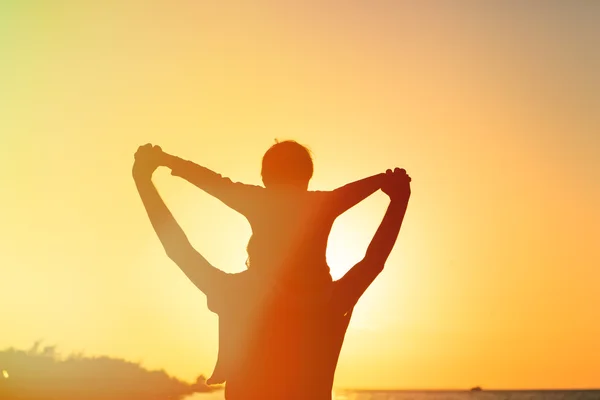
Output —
(493, 110)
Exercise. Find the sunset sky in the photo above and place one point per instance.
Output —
(492, 107)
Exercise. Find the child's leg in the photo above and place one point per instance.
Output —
(229, 299)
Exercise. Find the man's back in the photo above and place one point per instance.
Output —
(292, 355)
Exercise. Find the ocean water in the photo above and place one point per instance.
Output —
(466, 395)
(454, 395)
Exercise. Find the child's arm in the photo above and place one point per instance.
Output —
(238, 196)
(360, 276)
(347, 196)
(176, 244)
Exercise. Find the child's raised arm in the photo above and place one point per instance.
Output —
(347, 196)
(238, 196)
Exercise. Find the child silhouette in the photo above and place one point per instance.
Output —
(290, 224)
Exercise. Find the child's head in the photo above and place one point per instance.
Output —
(288, 163)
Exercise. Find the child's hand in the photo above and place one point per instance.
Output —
(397, 184)
(147, 160)
(160, 155)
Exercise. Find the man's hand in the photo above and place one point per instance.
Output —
(147, 159)
(397, 184)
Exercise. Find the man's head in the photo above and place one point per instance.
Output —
(287, 163)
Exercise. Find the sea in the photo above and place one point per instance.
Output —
(446, 395)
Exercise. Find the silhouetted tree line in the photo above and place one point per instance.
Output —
(40, 373)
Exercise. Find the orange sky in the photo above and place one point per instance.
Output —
(493, 110)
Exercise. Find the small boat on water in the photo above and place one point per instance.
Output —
(476, 389)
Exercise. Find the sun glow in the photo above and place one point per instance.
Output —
(485, 117)
(5, 373)
(347, 244)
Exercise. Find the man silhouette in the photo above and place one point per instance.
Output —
(283, 351)
(290, 227)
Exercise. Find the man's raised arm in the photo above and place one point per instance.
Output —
(172, 237)
(357, 280)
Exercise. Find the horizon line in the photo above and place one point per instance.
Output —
(469, 389)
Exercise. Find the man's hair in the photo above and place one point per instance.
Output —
(287, 162)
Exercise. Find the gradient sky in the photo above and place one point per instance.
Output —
(492, 107)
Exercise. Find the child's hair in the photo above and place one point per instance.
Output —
(287, 162)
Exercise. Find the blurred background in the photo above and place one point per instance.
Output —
(492, 107)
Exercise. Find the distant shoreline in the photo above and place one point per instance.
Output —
(462, 390)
